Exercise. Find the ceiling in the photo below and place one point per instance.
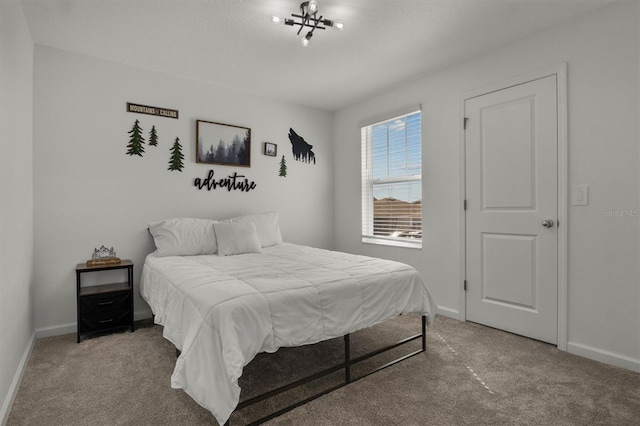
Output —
(233, 43)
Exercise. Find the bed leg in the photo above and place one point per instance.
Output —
(178, 352)
(347, 359)
(424, 333)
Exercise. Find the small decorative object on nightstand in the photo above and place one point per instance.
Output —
(103, 256)
(104, 307)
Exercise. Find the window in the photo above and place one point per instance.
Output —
(392, 181)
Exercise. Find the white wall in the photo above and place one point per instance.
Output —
(89, 192)
(16, 199)
(602, 52)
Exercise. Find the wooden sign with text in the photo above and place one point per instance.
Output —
(151, 110)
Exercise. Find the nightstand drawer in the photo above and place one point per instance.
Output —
(104, 321)
(115, 301)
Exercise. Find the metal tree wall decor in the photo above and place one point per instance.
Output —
(153, 137)
(175, 163)
(136, 140)
(283, 168)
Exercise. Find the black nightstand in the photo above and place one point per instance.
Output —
(104, 307)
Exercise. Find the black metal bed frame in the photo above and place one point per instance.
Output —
(346, 365)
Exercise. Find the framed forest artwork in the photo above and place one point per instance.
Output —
(218, 143)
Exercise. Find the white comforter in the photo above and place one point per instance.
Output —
(222, 311)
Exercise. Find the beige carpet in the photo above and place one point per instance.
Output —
(470, 375)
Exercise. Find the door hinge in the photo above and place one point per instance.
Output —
(464, 204)
(465, 285)
(464, 123)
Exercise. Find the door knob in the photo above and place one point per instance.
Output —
(547, 223)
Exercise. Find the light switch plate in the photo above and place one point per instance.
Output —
(580, 195)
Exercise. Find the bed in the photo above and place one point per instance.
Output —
(225, 291)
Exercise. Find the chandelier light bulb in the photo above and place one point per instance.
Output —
(306, 39)
(338, 25)
(312, 7)
(276, 19)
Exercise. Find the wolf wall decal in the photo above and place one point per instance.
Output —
(300, 148)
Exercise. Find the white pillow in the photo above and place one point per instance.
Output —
(267, 227)
(183, 236)
(237, 238)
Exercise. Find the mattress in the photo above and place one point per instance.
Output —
(221, 311)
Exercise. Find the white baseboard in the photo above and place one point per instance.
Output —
(141, 315)
(604, 356)
(17, 379)
(448, 312)
(57, 330)
(586, 351)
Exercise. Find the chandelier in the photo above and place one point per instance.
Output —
(308, 18)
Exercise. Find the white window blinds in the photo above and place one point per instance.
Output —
(392, 181)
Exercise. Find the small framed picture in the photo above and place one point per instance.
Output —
(270, 149)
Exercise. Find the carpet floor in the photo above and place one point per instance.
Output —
(469, 375)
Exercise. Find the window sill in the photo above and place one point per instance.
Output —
(393, 242)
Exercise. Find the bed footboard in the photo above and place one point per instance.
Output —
(346, 365)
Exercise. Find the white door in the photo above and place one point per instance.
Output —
(511, 143)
